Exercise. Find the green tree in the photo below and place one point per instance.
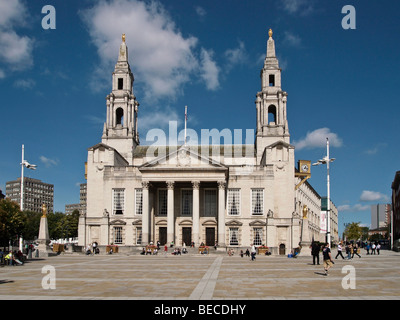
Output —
(12, 221)
(71, 224)
(32, 224)
(353, 231)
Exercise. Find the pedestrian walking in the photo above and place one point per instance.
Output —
(339, 253)
(253, 252)
(373, 248)
(315, 249)
(378, 248)
(328, 263)
(348, 251)
(368, 247)
(355, 251)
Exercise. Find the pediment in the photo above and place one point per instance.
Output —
(184, 158)
(117, 222)
(209, 222)
(186, 223)
(233, 223)
(162, 222)
(280, 143)
(257, 223)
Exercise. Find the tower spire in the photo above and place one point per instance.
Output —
(272, 125)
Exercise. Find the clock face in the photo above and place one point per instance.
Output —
(304, 168)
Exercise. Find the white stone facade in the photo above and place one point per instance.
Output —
(231, 195)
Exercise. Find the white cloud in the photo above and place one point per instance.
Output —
(291, 39)
(298, 7)
(237, 55)
(376, 149)
(209, 70)
(158, 119)
(367, 195)
(12, 11)
(201, 12)
(16, 50)
(317, 139)
(48, 162)
(353, 208)
(160, 56)
(25, 83)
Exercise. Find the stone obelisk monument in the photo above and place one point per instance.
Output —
(44, 238)
(305, 234)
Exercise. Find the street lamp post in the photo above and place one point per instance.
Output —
(24, 164)
(326, 161)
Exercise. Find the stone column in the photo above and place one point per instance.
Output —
(221, 213)
(196, 212)
(170, 212)
(145, 213)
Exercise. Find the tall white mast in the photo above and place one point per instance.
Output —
(185, 122)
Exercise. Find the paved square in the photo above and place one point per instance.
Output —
(197, 277)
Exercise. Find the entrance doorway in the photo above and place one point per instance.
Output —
(162, 235)
(187, 236)
(282, 249)
(210, 236)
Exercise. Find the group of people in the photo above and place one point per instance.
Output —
(153, 250)
(92, 249)
(16, 257)
(350, 250)
(374, 247)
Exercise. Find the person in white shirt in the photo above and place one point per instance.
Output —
(339, 251)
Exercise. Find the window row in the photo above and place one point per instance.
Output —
(257, 236)
(234, 202)
(186, 202)
(234, 238)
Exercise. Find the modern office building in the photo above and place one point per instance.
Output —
(36, 193)
(380, 215)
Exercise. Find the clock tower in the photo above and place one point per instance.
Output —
(272, 124)
(120, 129)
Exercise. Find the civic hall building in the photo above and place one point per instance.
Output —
(232, 195)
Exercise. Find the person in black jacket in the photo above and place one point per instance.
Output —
(315, 249)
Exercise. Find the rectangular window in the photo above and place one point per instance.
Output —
(187, 202)
(257, 236)
(257, 201)
(138, 235)
(233, 236)
(162, 202)
(210, 202)
(118, 235)
(120, 83)
(139, 201)
(234, 202)
(118, 201)
(272, 80)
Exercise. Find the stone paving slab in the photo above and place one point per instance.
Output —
(197, 277)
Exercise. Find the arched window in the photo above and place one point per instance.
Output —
(120, 116)
(271, 114)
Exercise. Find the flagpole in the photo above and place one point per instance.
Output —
(22, 180)
(185, 122)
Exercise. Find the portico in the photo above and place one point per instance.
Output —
(183, 202)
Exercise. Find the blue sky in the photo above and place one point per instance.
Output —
(207, 55)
